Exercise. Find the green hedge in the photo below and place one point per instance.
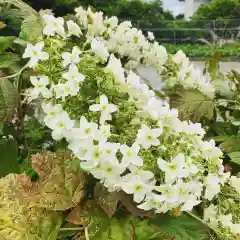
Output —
(196, 50)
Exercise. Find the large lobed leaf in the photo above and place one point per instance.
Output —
(59, 187)
(31, 29)
(19, 220)
(33, 210)
(192, 104)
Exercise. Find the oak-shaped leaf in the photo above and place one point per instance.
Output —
(18, 219)
(59, 187)
(192, 104)
(31, 29)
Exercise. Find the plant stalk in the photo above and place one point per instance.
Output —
(16, 74)
(72, 229)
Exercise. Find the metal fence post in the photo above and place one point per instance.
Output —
(174, 26)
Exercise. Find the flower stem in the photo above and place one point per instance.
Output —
(16, 74)
(86, 234)
(72, 229)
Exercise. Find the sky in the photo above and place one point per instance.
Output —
(174, 5)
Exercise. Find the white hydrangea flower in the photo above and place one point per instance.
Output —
(62, 90)
(130, 155)
(35, 54)
(108, 170)
(105, 108)
(40, 87)
(112, 22)
(148, 137)
(104, 133)
(60, 124)
(179, 57)
(73, 75)
(235, 183)
(145, 175)
(153, 201)
(82, 15)
(116, 66)
(71, 58)
(51, 111)
(53, 25)
(96, 28)
(226, 220)
(212, 183)
(210, 213)
(150, 36)
(174, 169)
(73, 29)
(99, 49)
(134, 185)
(109, 149)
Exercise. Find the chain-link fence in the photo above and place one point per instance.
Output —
(181, 31)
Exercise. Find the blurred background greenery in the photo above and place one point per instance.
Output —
(214, 24)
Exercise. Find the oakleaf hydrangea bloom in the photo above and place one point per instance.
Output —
(73, 75)
(40, 83)
(73, 29)
(105, 108)
(114, 124)
(53, 25)
(35, 53)
(71, 58)
(99, 49)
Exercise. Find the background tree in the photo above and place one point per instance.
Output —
(219, 9)
(124, 9)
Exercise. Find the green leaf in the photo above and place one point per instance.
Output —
(8, 59)
(99, 225)
(143, 230)
(192, 105)
(9, 154)
(48, 227)
(235, 157)
(120, 229)
(232, 144)
(8, 99)
(31, 29)
(108, 201)
(183, 227)
(5, 43)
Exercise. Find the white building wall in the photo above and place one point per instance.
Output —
(191, 7)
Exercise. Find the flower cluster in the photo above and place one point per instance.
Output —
(223, 215)
(189, 77)
(218, 220)
(120, 131)
(127, 41)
